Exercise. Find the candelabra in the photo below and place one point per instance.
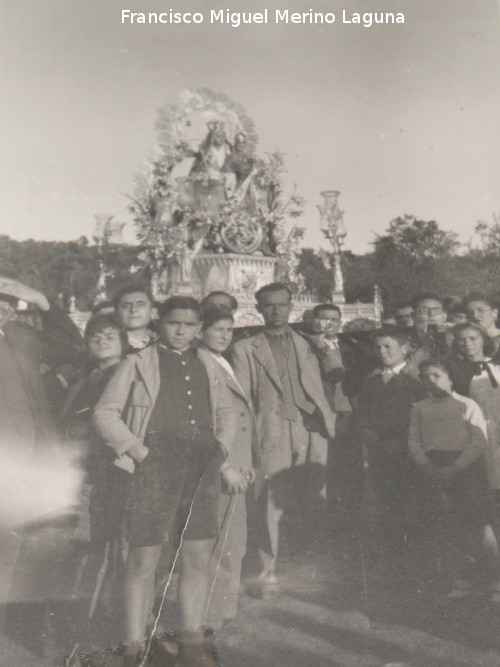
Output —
(107, 232)
(332, 225)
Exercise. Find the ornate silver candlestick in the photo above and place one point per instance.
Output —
(331, 224)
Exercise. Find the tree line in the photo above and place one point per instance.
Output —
(414, 256)
(410, 256)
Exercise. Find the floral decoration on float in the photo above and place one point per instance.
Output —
(204, 190)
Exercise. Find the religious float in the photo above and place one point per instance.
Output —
(211, 214)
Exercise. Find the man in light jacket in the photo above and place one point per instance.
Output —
(279, 371)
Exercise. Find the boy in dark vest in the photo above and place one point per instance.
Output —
(173, 424)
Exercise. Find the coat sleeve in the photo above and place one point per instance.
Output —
(108, 414)
(330, 361)
(364, 405)
(240, 361)
(417, 452)
(62, 340)
(320, 397)
(68, 401)
(312, 381)
(478, 441)
(225, 416)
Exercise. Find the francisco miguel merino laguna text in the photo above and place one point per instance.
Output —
(236, 19)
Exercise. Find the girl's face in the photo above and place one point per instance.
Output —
(436, 381)
(482, 314)
(470, 344)
(217, 337)
(105, 345)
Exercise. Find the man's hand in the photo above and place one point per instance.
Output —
(234, 481)
(318, 340)
(421, 327)
(138, 452)
(330, 420)
(19, 291)
(248, 474)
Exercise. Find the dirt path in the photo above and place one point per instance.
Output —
(330, 614)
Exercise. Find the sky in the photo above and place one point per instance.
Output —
(398, 118)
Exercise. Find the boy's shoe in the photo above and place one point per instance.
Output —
(165, 650)
(461, 590)
(130, 656)
(196, 649)
(197, 655)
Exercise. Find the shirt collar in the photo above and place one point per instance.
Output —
(224, 363)
(284, 334)
(169, 349)
(396, 370)
(332, 344)
(139, 342)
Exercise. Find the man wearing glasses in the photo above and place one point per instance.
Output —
(430, 314)
(345, 455)
(326, 324)
(430, 324)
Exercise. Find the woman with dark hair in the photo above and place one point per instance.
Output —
(216, 335)
(476, 373)
(483, 311)
(102, 498)
(482, 383)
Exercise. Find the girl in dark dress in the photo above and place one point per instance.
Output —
(103, 492)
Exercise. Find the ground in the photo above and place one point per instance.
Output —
(335, 610)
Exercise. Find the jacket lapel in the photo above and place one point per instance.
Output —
(302, 352)
(148, 367)
(210, 365)
(236, 389)
(263, 354)
(230, 381)
(310, 381)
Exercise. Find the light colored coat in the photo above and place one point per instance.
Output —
(245, 451)
(231, 545)
(122, 415)
(258, 375)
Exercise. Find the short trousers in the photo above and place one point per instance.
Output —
(178, 481)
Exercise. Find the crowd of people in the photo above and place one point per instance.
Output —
(204, 448)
